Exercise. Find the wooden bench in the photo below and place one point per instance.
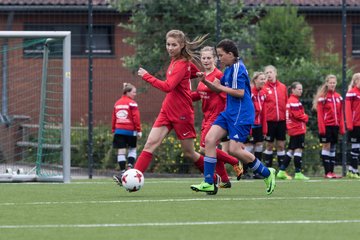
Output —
(32, 125)
(44, 145)
(25, 142)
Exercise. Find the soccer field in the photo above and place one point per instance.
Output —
(167, 209)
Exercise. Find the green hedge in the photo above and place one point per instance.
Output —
(168, 158)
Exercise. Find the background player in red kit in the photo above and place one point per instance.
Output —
(259, 128)
(177, 110)
(328, 104)
(296, 120)
(352, 113)
(126, 127)
(276, 98)
(212, 104)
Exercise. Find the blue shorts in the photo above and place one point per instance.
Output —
(238, 133)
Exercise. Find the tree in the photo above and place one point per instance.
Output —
(285, 40)
(151, 19)
(283, 36)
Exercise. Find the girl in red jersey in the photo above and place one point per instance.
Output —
(296, 120)
(126, 127)
(259, 128)
(276, 98)
(352, 113)
(177, 110)
(212, 104)
(328, 104)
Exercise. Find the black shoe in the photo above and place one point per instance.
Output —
(117, 179)
(225, 184)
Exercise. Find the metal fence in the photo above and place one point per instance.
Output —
(97, 74)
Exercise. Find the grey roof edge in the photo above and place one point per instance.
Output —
(27, 8)
(108, 8)
(328, 9)
(313, 9)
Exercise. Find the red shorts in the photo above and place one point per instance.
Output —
(204, 130)
(183, 130)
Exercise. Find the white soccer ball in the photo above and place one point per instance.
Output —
(132, 180)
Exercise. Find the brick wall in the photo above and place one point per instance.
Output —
(109, 75)
(108, 72)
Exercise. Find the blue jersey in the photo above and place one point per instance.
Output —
(240, 110)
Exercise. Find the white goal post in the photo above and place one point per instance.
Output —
(65, 125)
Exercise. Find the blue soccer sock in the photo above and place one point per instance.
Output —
(209, 169)
(259, 168)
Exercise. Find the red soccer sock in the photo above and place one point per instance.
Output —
(226, 158)
(221, 170)
(200, 163)
(143, 161)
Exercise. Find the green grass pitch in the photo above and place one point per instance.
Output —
(167, 209)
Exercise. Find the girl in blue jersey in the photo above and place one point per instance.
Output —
(235, 121)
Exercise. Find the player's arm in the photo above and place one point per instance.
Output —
(216, 86)
(298, 113)
(136, 116)
(237, 88)
(348, 111)
(169, 84)
(239, 93)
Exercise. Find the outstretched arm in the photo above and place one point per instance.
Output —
(349, 112)
(169, 84)
(217, 87)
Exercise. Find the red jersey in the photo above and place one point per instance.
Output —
(296, 118)
(126, 115)
(177, 105)
(276, 98)
(329, 112)
(352, 108)
(258, 97)
(212, 103)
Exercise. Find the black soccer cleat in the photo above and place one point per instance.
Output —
(117, 179)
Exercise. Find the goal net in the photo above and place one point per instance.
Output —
(35, 106)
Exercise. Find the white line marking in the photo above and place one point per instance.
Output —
(180, 200)
(166, 224)
(172, 181)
